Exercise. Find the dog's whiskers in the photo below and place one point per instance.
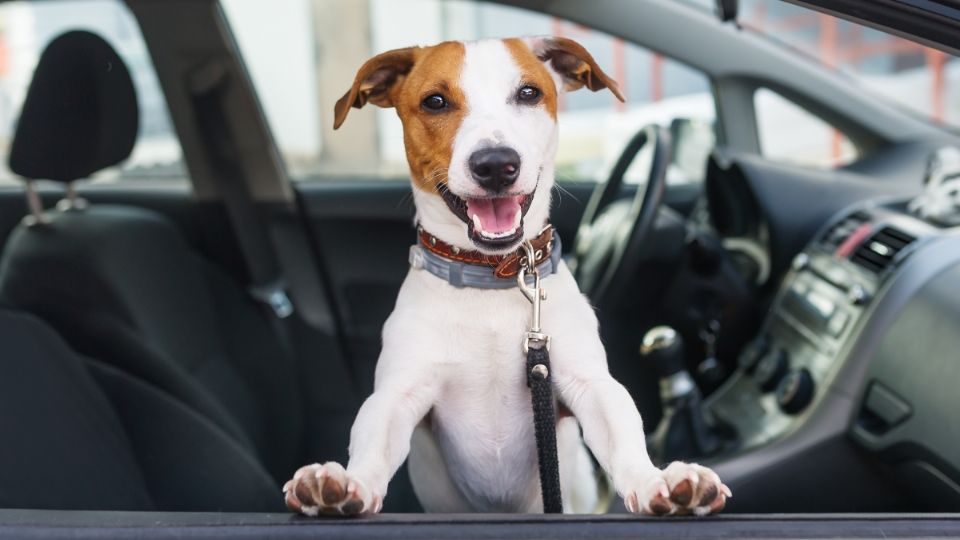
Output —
(407, 199)
(564, 191)
(437, 174)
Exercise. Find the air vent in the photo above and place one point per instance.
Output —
(837, 234)
(877, 252)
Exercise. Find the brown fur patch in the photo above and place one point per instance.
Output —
(331, 492)
(428, 136)
(534, 73)
(718, 504)
(374, 82)
(682, 493)
(660, 506)
(304, 493)
(352, 507)
(402, 78)
(577, 66)
(709, 495)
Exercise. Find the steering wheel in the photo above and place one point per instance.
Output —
(610, 240)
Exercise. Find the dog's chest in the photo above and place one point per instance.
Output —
(482, 420)
(483, 360)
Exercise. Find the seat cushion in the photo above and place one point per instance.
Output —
(187, 462)
(122, 285)
(79, 434)
(63, 445)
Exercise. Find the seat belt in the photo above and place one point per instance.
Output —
(267, 284)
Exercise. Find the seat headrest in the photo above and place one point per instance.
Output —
(80, 114)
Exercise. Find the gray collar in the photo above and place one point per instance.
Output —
(462, 275)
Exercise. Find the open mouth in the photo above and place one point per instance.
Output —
(492, 222)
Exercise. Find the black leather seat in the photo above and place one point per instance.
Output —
(189, 363)
(121, 285)
(83, 435)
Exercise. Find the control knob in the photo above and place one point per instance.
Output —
(795, 391)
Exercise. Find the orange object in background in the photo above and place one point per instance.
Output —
(841, 45)
(620, 71)
(936, 60)
(4, 56)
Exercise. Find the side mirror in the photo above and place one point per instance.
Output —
(727, 9)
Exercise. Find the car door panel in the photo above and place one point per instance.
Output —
(362, 231)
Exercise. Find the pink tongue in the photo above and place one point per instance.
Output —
(496, 215)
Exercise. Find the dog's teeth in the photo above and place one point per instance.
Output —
(478, 227)
(494, 236)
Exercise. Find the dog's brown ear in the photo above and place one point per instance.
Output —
(375, 81)
(574, 64)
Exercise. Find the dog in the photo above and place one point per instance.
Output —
(480, 130)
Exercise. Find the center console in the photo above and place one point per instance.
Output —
(814, 322)
(847, 396)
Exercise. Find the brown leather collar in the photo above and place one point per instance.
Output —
(505, 266)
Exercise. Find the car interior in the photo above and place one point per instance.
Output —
(185, 347)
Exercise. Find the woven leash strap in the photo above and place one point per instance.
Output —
(545, 427)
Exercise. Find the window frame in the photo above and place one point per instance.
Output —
(736, 100)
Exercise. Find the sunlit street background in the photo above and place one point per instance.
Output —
(302, 55)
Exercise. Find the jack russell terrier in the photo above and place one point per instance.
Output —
(480, 130)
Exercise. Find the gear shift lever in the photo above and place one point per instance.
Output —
(683, 432)
(663, 348)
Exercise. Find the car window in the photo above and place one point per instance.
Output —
(809, 141)
(324, 42)
(25, 30)
(920, 79)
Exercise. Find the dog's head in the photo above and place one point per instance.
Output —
(480, 130)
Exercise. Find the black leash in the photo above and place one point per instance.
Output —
(545, 428)
(537, 346)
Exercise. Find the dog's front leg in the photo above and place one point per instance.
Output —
(405, 390)
(613, 430)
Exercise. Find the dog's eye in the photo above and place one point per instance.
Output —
(434, 102)
(528, 94)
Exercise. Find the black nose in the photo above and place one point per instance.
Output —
(495, 168)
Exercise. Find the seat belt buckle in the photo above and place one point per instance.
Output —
(274, 296)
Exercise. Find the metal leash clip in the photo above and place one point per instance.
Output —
(534, 339)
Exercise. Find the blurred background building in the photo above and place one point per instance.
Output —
(303, 54)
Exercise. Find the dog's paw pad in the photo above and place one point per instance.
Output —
(680, 489)
(327, 489)
(682, 493)
(660, 506)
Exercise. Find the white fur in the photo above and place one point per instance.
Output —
(452, 371)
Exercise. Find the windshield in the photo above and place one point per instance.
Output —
(923, 80)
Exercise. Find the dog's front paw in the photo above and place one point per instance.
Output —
(328, 489)
(680, 489)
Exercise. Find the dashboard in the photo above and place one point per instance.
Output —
(862, 349)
